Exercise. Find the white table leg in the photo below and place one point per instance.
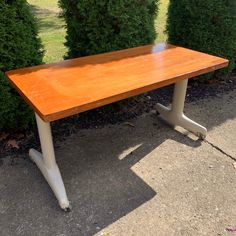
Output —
(175, 115)
(47, 164)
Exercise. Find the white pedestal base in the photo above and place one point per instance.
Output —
(175, 115)
(53, 177)
(47, 164)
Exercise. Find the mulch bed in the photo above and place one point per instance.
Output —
(17, 144)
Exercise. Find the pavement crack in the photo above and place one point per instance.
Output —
(220, 150)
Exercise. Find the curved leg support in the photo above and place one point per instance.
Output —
(175, 115)
(181, 120)
(47, 164)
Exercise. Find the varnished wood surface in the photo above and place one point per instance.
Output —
(62, 89)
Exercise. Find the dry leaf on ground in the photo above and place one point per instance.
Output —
(231, 229)
(129, 124)
(13, 143)
(3, 136)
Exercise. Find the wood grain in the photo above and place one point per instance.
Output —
(62, 89)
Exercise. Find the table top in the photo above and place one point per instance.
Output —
(73, 86)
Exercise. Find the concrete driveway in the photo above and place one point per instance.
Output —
(124, 180)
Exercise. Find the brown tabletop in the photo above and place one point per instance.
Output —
(62, 89)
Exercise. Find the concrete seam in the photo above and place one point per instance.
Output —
(220, 150)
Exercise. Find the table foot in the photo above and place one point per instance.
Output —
(46, 162)
(53, 177)
(181, 120)
(175, 115)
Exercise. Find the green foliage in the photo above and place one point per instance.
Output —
(205, 25)
(19, 47)
(106, 25)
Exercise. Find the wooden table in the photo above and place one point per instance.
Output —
(69, 87)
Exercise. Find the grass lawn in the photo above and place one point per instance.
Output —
(52, 31)
(161, 21)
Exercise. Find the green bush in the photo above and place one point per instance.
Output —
(106, 25)
(205, 25)
(19, 47)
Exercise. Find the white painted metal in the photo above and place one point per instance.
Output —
(175, 116)
(47, 164)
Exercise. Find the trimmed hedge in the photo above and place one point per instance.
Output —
(19, 47)
(205, 25)
(106, 25)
